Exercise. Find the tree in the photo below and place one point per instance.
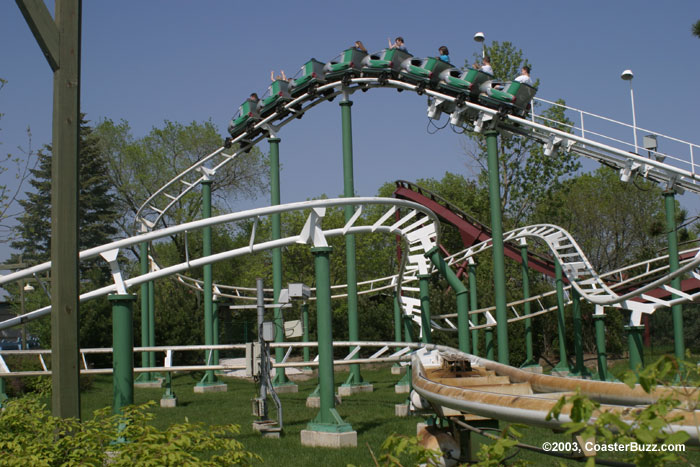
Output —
(615, 223)
(21, 167)
(140, 166)
(526, 174)
(96, 224)
(696, 29)
(96, 214)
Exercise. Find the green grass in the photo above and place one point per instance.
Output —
(370, 414)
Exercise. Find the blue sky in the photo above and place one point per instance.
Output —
(148, 61)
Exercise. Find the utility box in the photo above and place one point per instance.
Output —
(299, 291)
(252, 359)
(268, 331)
(293, 329)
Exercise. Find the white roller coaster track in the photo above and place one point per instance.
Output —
(421, 234)
(471, 116)
(682, 173)
(417, 226)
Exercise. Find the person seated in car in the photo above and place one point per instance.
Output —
(359, 46)
(444, 54)
(398, 44)
(524, 76)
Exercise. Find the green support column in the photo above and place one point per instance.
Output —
(424, 287)
(209, 381)
(354, 378)
(634, 339)
(145, 323)
(462, 297)
(563, 365)
(123, 350)
(488, 343)
(473, 304)
(168, 399)
(208, 287)
(599, 320)
(579, 368)
(674, 265)
(397, 320)
(305, 321)
(530, 359)
(328, 419)
(215, 329)
(405, 382)
(280, 375)
(407, 328)
(152, 325)
(499, 274)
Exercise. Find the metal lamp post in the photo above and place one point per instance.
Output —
(627, 75)
(26, 288)
(479, 37)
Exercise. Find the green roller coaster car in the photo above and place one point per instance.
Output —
(423, 70)
(311, 75)
(467, 81)
(514, 96)
(278, 95)
(386, 64)
(247, 115)
(349, 63)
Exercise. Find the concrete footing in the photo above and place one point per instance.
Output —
(149, 384)
(221, 387)
(324, 439)
(168, 402)
(314, 402)
(402, 389)
(402, 410)
(286, 388)
(349, 390)
(398, 370)
(267, 428)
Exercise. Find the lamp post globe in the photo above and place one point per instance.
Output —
(480, 38)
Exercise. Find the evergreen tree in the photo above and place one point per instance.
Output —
(96, 214)
(96, 224)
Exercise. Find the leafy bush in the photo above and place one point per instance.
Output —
(30, 435)
(646, 426)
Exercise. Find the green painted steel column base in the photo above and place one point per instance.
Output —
(531, 366)
(352, 385)
(168, 399)
(562, 368)
(584, 373)
(404, 384)
(148, 380)
(333, 424)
